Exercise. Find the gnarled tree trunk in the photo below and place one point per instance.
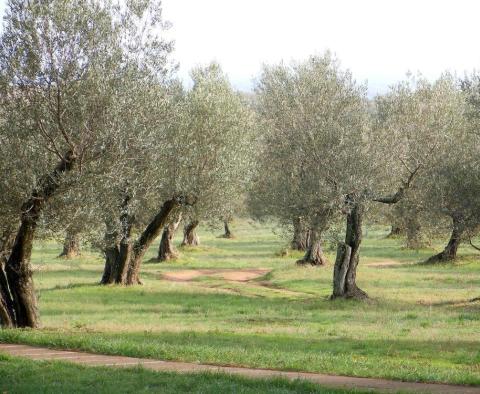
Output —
(450, 251)
(301, 236)
(6, 307)
(123, 261)
(17, 289)
(111, 256)
(190, 236)
(166, 249)
(314, 253)
(348, 253)
(228, 234)
(415, 239)
(71, 245)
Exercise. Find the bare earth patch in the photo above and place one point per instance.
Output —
(386, 264)
(243, 275)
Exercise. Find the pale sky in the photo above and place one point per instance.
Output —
(379, 41)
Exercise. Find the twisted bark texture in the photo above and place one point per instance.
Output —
(348, 253)
(17, 292)
(301, 236)
(123, 257)
(166, 249)
(190, 237)
(314, 253)
(71, 245)
(450, 251)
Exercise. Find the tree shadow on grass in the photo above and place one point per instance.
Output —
(70, 286)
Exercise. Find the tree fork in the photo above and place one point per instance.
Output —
(345, 271)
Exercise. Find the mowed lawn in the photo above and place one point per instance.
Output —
(419, 324)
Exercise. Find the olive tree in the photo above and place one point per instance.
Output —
(198, 160)
(63, 67)
(327, 150)
(314, 120)
(412, 124)
(451, 189)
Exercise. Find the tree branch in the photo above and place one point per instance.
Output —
(394, 198)
(473, 246)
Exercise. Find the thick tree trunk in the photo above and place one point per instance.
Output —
(301, 236)
(111, 256)
(450, 251)
(190, 236)
(167, 250)
(71, 245)
(314, 253)
(414, 239)
(6, 304)
(228, 234)
(123, 260)
(111, 251)
(17, 287)
(118, 247)
(348, 253)
(151, 232)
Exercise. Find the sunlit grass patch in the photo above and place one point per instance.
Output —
(419, 323)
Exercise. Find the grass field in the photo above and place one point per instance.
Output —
(418, 325)
(23, 376)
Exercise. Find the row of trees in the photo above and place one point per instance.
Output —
(328, 152)
(99, 138)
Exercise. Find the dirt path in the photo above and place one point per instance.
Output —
(237, 275)
(386, 264)
(89, 359)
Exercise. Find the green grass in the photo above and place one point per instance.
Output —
(24, 376)
(418, 325)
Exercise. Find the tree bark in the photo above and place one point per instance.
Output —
(314, 253)
(111, 251)
(414, 236)
(123, 261)
(17, 283)
(111, 256)
(166, 249)
(6, 304)
(151, 232)
(348, 253)
(190, 236)
(301, 236)
(228, 234)
(450, 251)
(71, 245)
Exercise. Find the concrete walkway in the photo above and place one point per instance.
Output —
(89, 359)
